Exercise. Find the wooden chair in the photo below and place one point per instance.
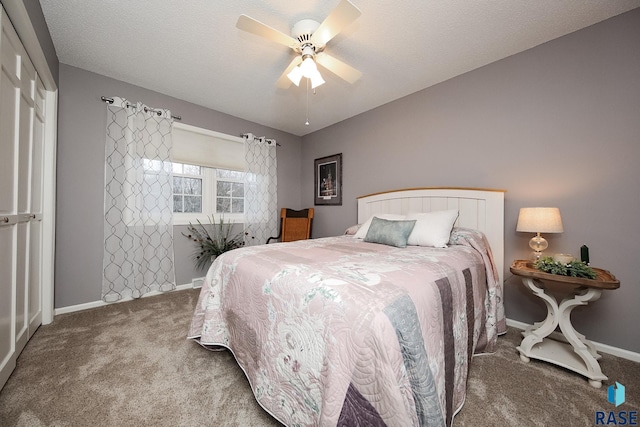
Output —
(294, 225)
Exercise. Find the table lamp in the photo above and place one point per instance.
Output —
(539, 220)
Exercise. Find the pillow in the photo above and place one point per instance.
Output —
(387, 232)
(352, 230)
(362, 232)
(432, 228)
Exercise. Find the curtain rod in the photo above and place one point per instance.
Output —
(110, 101)
(263, 138)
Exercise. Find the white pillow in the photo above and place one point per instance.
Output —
(352, 230)
(432, 228)
(362, 231)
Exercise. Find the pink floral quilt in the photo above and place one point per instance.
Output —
(337, 331)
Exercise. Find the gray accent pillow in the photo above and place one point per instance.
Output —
(387, 232)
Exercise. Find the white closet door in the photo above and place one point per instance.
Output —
(21, 153)
(9, 109)
(25, 138)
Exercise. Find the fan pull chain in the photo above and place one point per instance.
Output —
(307, 122)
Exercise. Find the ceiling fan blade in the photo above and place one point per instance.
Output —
(253, 26)
(338, 67)
(284, 82)
(344, 14)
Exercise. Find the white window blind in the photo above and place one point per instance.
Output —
(196, 146)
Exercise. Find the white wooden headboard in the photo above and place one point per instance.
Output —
(480, 209)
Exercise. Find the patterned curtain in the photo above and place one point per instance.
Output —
(261, 190)
(138, 202)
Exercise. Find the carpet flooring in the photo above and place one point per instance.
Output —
(130, 364)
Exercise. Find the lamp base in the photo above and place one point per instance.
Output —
(538, 244)
(535, 256)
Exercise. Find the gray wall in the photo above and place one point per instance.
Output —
(557, 125)
(80, 176)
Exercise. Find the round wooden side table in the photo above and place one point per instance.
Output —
(569, 349)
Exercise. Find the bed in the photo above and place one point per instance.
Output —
(350, 331)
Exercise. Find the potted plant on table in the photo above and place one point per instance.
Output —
(573, 268)
(212, 240)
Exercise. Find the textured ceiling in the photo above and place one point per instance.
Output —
(192, 49)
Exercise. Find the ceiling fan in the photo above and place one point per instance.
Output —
(308, 40)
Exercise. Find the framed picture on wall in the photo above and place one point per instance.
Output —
(328, 180)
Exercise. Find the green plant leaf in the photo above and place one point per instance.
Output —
(574, 269)
(212, 239)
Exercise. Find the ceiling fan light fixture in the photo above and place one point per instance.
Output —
(316, 79)
(308, 67)
(295, 75)
(308, 39)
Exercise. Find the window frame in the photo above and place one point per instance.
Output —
(201, 177)
(209, 195)
(231, 198)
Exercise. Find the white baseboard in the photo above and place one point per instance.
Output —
(604, 348)
(96, 304)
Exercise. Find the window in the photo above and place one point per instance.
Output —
(229, 191)
(208, 175)
(187, 188)
(199, 191)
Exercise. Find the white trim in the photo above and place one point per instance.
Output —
(100, 303)
(192, 218)
(197, 282)
(604, 348)
(49, 206)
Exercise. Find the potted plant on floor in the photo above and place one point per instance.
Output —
(213, 240)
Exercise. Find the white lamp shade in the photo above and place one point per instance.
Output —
(316, 79)
(295, 75)
(540, 220)
(308, 67)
